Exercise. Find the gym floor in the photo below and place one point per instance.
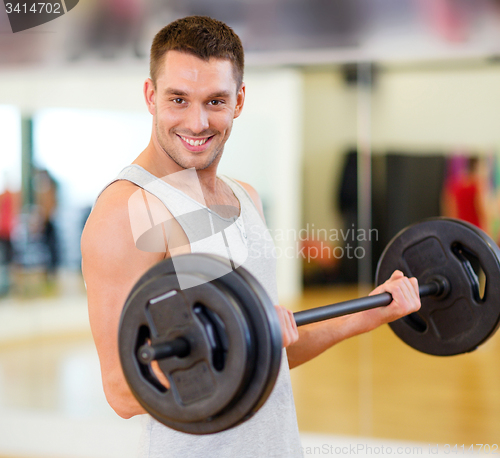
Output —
(370, 388)
(375, 385)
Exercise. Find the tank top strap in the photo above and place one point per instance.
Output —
(177, 202)
(246, 201)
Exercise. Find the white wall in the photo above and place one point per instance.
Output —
(437, 108)
(329, 129)
(99, 88)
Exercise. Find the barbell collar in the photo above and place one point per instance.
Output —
(178, 347)
(438, 286)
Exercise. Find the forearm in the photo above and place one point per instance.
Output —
(315, 338)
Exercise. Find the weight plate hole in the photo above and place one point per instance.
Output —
(415, 321)
(473, 269)
(215, 331)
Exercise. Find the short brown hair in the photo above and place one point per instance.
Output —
(201, 36)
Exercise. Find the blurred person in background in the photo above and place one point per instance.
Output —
(9, 203)
(464, 194)
(46, 204)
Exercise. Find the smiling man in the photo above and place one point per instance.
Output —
(194, 93)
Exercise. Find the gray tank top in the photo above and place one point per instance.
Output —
(273, 430)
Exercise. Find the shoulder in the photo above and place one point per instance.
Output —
(115, 196)
(124, 202)
(254, 195)
(110, 232)
(110, 209)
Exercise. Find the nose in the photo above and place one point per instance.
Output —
(197, 119)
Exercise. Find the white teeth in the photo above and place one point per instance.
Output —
(195, 142)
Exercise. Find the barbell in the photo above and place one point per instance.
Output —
(218, 342)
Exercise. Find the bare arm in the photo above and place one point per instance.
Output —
(315, 338)
(111, 265)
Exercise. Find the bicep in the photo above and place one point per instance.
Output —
(111, 265)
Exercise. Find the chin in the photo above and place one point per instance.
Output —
(200, 163)
(195, 163)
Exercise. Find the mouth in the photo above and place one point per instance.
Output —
(196, 144)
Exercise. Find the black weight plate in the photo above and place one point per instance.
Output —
(464, 318)
(159, 311)
(268, 341)
(266, 336)
(236, 290)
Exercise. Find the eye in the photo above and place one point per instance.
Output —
(178, 100)
(215, 102)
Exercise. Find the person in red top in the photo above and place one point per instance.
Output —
(7, 220)
(464, 196)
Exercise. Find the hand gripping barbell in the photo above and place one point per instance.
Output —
(218, 342)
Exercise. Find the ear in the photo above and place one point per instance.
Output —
(150, 95)
(240, 101)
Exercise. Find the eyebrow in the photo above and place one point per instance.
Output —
(172, 91)
(214, 95)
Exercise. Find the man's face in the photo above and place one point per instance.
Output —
(194, 104)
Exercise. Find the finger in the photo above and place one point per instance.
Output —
(399, 290)
(281, 318)
(411, 289)
(406, 289)
(293, 326)
(399, 287)
(289, 329)
(396, 274)
(404, 295)
(289, 337)
(414, 283)
(399, 280)
(283, 324)
(382, 288)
